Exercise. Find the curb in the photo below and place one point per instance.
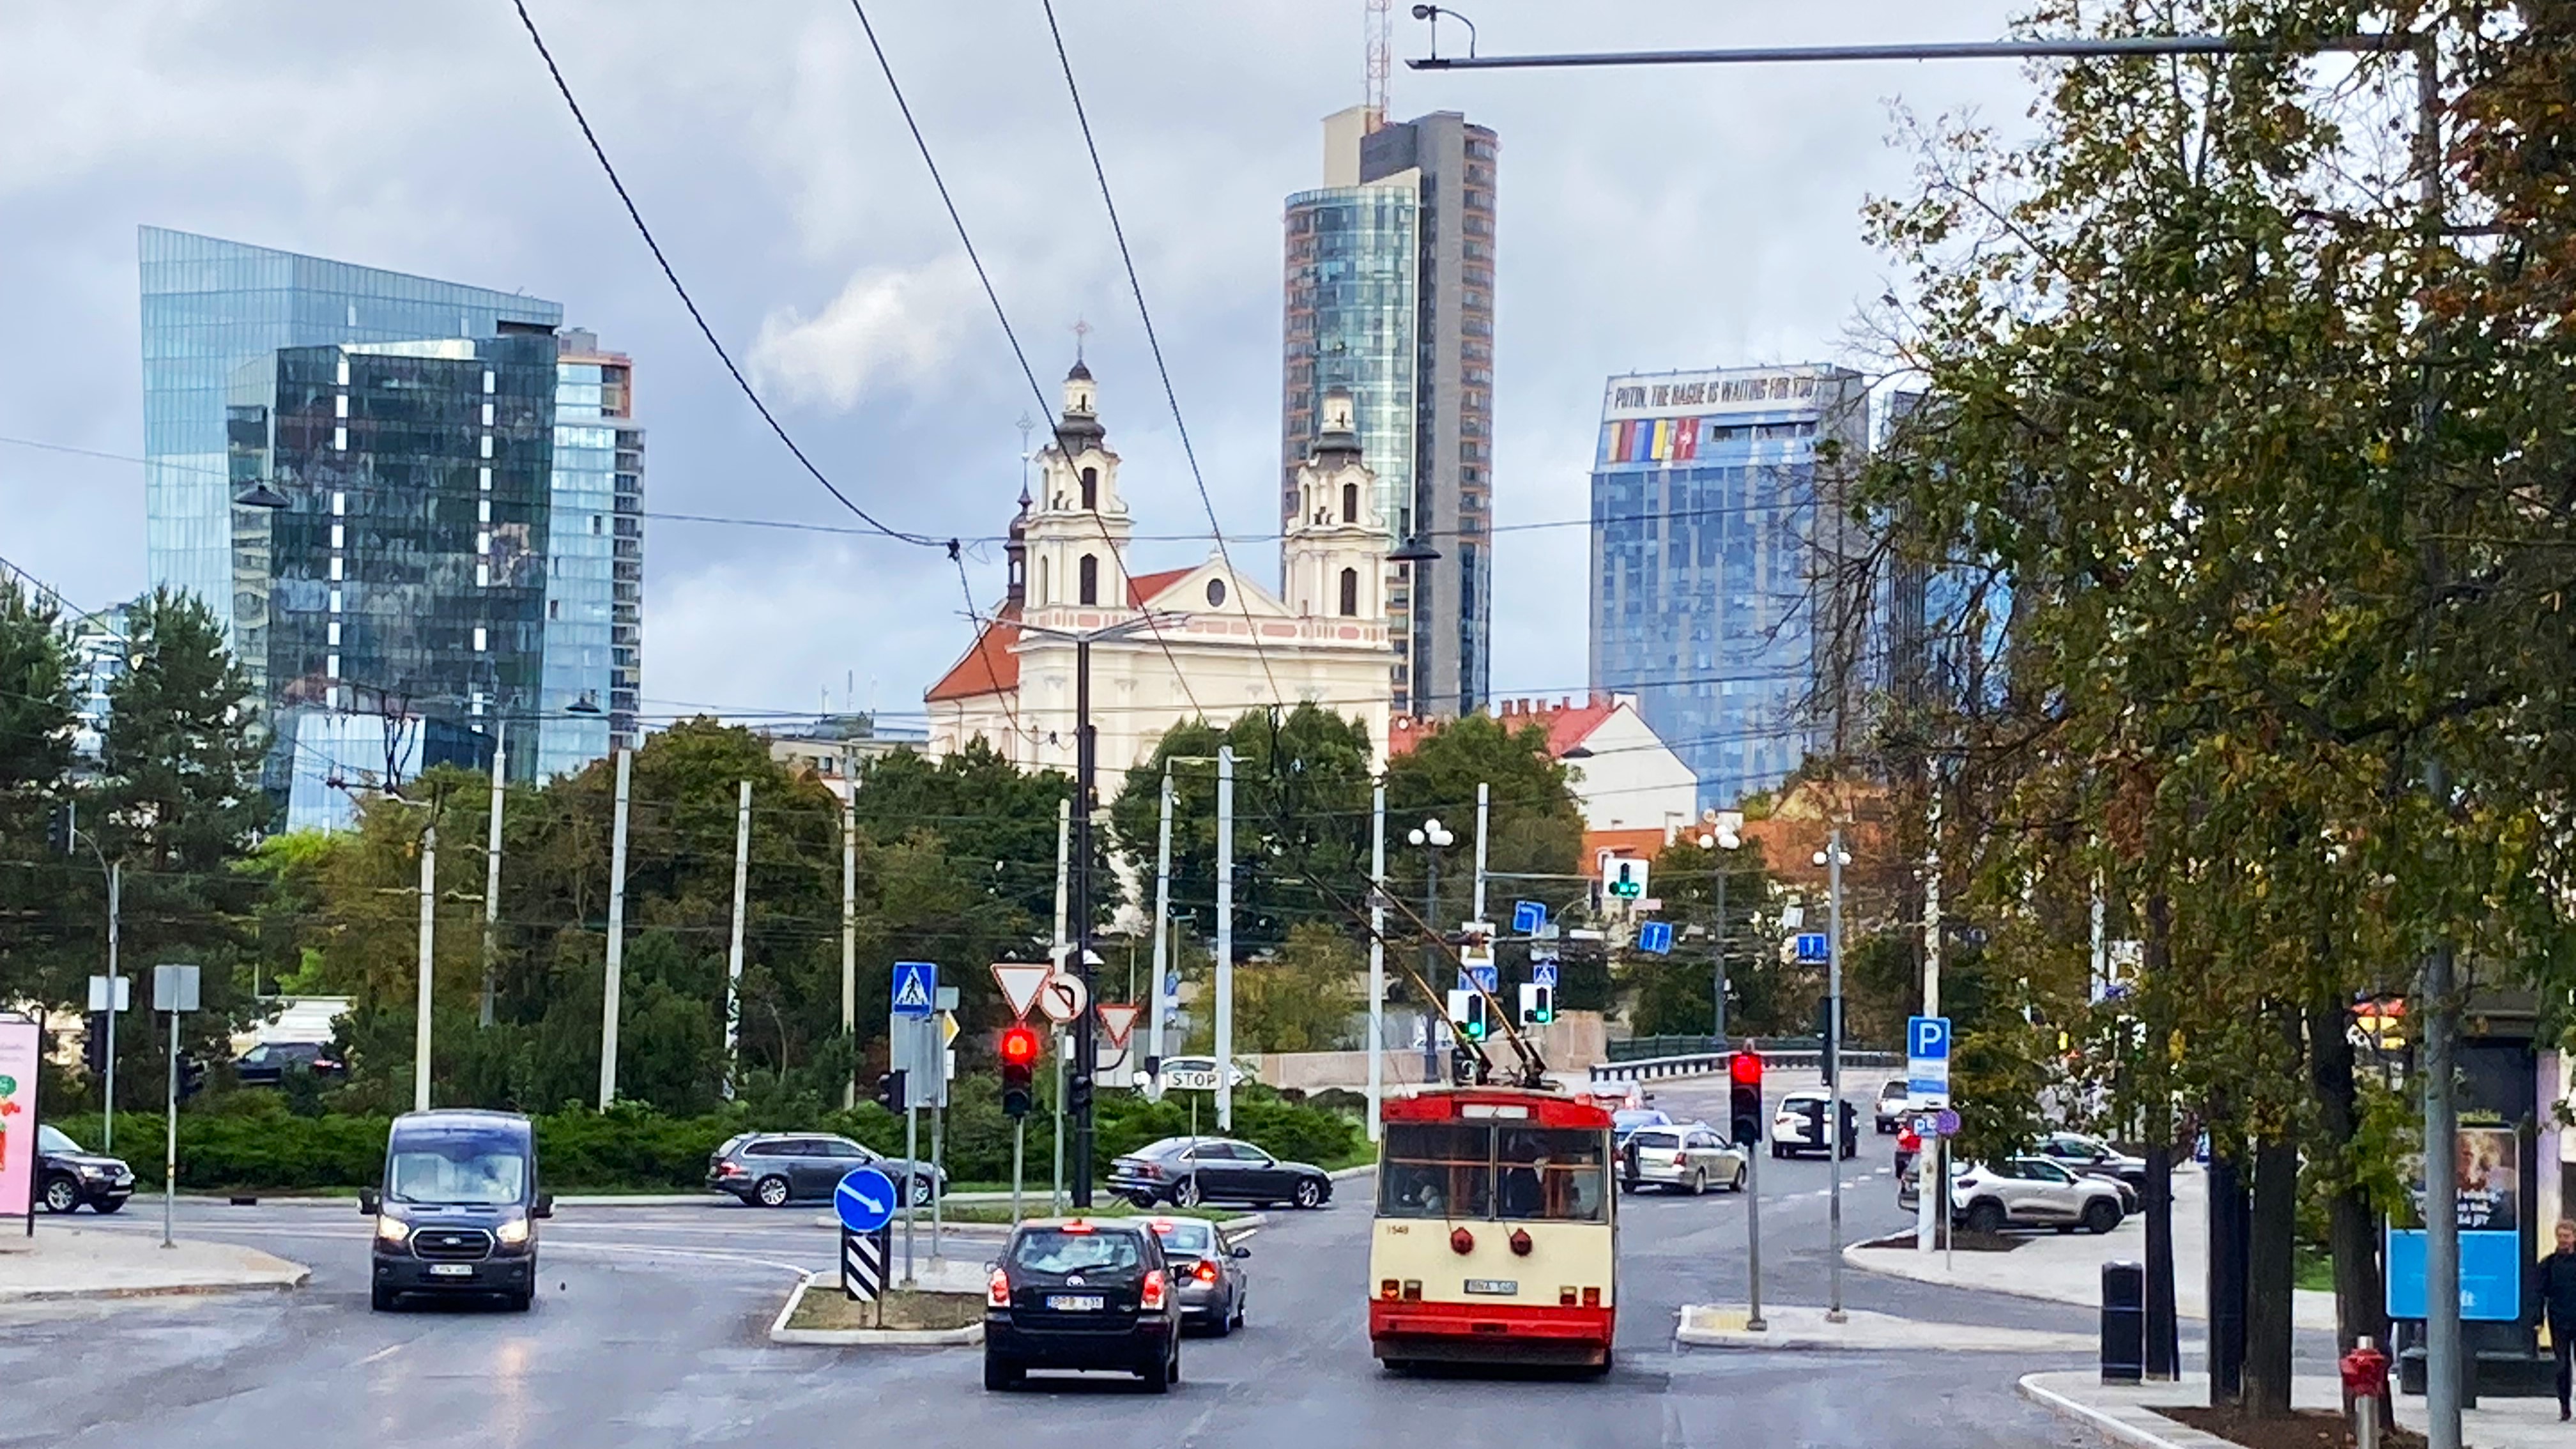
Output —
(300, 1277)
(1860, 1258)
(2116, 1427)
(779, 1332)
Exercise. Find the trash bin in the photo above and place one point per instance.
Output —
(2124, 1323)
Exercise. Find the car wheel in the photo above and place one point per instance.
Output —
(923, 1190)
(1778, 1152)
(1000, 1374)
(1986, 1217)
(1185, 1193)
(108, 1205)
(1157, 1375)
(1224, 1323)
(1627, 1184)
(772, 1192)
(1699, 1183)
(1141, 1198)
(1738, 1184)
(2101, 1216)
(522, 1302)
(1310, 1194)
(61, 1194)
(381, 1299)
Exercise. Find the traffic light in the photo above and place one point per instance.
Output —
(1626, 879)
(192, 1077)
(890, 1090)
(1744, 1093)
(94, 1045)
(1077, 1092)
(1467, 1014)
(58, 829)
(1468, 1069)
(1019, 1071)
(1538, 1003)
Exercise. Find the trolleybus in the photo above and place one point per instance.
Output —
(1495, 1239)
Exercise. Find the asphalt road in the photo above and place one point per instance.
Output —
(650, 1331)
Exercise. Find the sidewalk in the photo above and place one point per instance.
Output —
(2067, 1267)
(2125, 1413)
(1798, 1326)
(75, 1263)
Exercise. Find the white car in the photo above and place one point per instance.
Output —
(1800, 1124)
(1689, 1157)
(2031, 1192)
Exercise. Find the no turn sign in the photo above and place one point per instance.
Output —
(1063, 999)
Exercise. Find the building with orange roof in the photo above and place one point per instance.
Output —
(1221, 644)
(1635, 792)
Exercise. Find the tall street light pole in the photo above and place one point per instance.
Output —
(1833, 857)
(1723, 837)
(1431, 837)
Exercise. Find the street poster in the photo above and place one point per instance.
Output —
(21, 1043)
(2489, 1205)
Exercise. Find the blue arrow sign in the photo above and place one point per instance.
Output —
(1656, 937)
(1814, 946)
(865, 1200)
(1543, 973)
(1528, 917)
(916, 987)
(1476, 978)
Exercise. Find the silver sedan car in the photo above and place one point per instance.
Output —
(1689, 1157)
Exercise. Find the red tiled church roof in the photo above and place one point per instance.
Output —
(990, 666)
(1568, 724)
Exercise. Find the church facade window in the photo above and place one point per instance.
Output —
(1090, 585)
(1350, 593)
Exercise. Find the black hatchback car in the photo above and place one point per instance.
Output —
(1075, 1293)
(69, 1177)
(1187, 1171)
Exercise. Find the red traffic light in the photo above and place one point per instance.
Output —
(1745, 1067)
(1019, 1046)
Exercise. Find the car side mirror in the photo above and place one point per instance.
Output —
(545, 1207)
(368, 1202)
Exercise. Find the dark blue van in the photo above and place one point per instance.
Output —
(456, 1214)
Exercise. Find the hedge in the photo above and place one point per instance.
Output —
(259, 1146)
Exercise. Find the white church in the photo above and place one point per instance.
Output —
(1327, 641)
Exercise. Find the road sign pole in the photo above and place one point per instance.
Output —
(938, 1120)
(1376, 964)
(1019, 1155)
(1834, 1092)
(170, 1139)
(1717, 935)
(911, 1159)
(1753, 1238)
(1224, 938)
(1162, 935)
(1055, 1194)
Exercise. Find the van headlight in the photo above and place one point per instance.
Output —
(391, 1229)
(512, 1233)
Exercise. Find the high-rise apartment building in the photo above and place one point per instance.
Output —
(1390, 294)
(1719, 539)
(451, 538)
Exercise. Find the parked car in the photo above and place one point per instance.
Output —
(773, 1169)
(69, 1178)
(2034, 1192)
(1628, 1119)
(1209, 1267)
(1689, 1157)
(2093, 1155)
(1188, 1171)
(1799, 1126)
(456, 1211)
(1081, 1294)
(1890, 1114)
(267, 1064)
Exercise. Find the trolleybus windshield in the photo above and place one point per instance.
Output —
(1483, 1170)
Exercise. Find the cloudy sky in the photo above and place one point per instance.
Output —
(1649, 220)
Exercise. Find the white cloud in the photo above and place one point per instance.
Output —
(889, 328)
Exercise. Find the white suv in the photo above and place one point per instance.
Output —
(2031, 1192)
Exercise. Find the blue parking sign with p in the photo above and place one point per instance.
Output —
(1927, 1038)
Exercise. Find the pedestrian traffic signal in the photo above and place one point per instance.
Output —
(1626, 879)
(1467, 1014)
(1077, 1093)
(890, 1090)
(1019, 1053)
(1744, 1083)
(1538, 1003)
(192, 1077)
(94, 1045)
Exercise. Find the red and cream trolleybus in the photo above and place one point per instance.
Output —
(1496, 1235)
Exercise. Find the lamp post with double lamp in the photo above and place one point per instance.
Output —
(1431, 837)
(1833, 858)
(1723, 836)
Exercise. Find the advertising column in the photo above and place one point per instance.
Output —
(20, 1044)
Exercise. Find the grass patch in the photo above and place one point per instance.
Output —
(999, 1213)
(824, 1305)
(2311, 1267)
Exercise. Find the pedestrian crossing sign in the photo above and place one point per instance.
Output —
(916, 985)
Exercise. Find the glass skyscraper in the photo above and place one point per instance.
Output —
(1716, 538)
(458, 481)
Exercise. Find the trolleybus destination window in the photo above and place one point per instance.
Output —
(1454, 1170)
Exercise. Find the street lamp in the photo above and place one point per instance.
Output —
(1723, 835)
(1833, 858)
(1431, 837)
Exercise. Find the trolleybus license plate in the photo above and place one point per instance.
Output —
(1501, 1287)
(1076, 1302)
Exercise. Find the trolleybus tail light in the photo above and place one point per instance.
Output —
(1388, 1288)
(1152, 1298)
(1591, 1297)
(997, 1290)
(1565, 1297)
(1462, 1242)
(1521, 1242)
(1412, 1290)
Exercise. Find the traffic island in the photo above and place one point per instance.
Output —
(1805, 1328)
(944, 1308)
(60, 1262)
(2177, 1416)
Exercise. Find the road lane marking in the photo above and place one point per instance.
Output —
(386, 1352)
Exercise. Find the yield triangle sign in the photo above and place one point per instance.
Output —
(1118, 1018)
(1020, 982)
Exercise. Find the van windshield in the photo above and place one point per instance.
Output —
(462, 1169)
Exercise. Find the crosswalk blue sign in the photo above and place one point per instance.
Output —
(1656, 937)
(1528, 917)
(1543, 973)
(916, 987)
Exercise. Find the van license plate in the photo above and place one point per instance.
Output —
(1499, 1287)
(1076, 1302)
(451, 1270)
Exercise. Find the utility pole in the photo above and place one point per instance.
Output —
(733, 953)
(492, 870)
(1225, 938)
(115, 905)
(850, 939)
(1927, 1169)
(1162, 936)
(614, 980)
(1063, 867)
(1834, 1083)
(1377, 962)
(1483, 798)
(428, 930)
(1086, 1033)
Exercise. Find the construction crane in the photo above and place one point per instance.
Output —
(1381, 43)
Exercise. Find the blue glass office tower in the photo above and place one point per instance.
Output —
(402, 602)
(595, 583)
(1715, 538)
